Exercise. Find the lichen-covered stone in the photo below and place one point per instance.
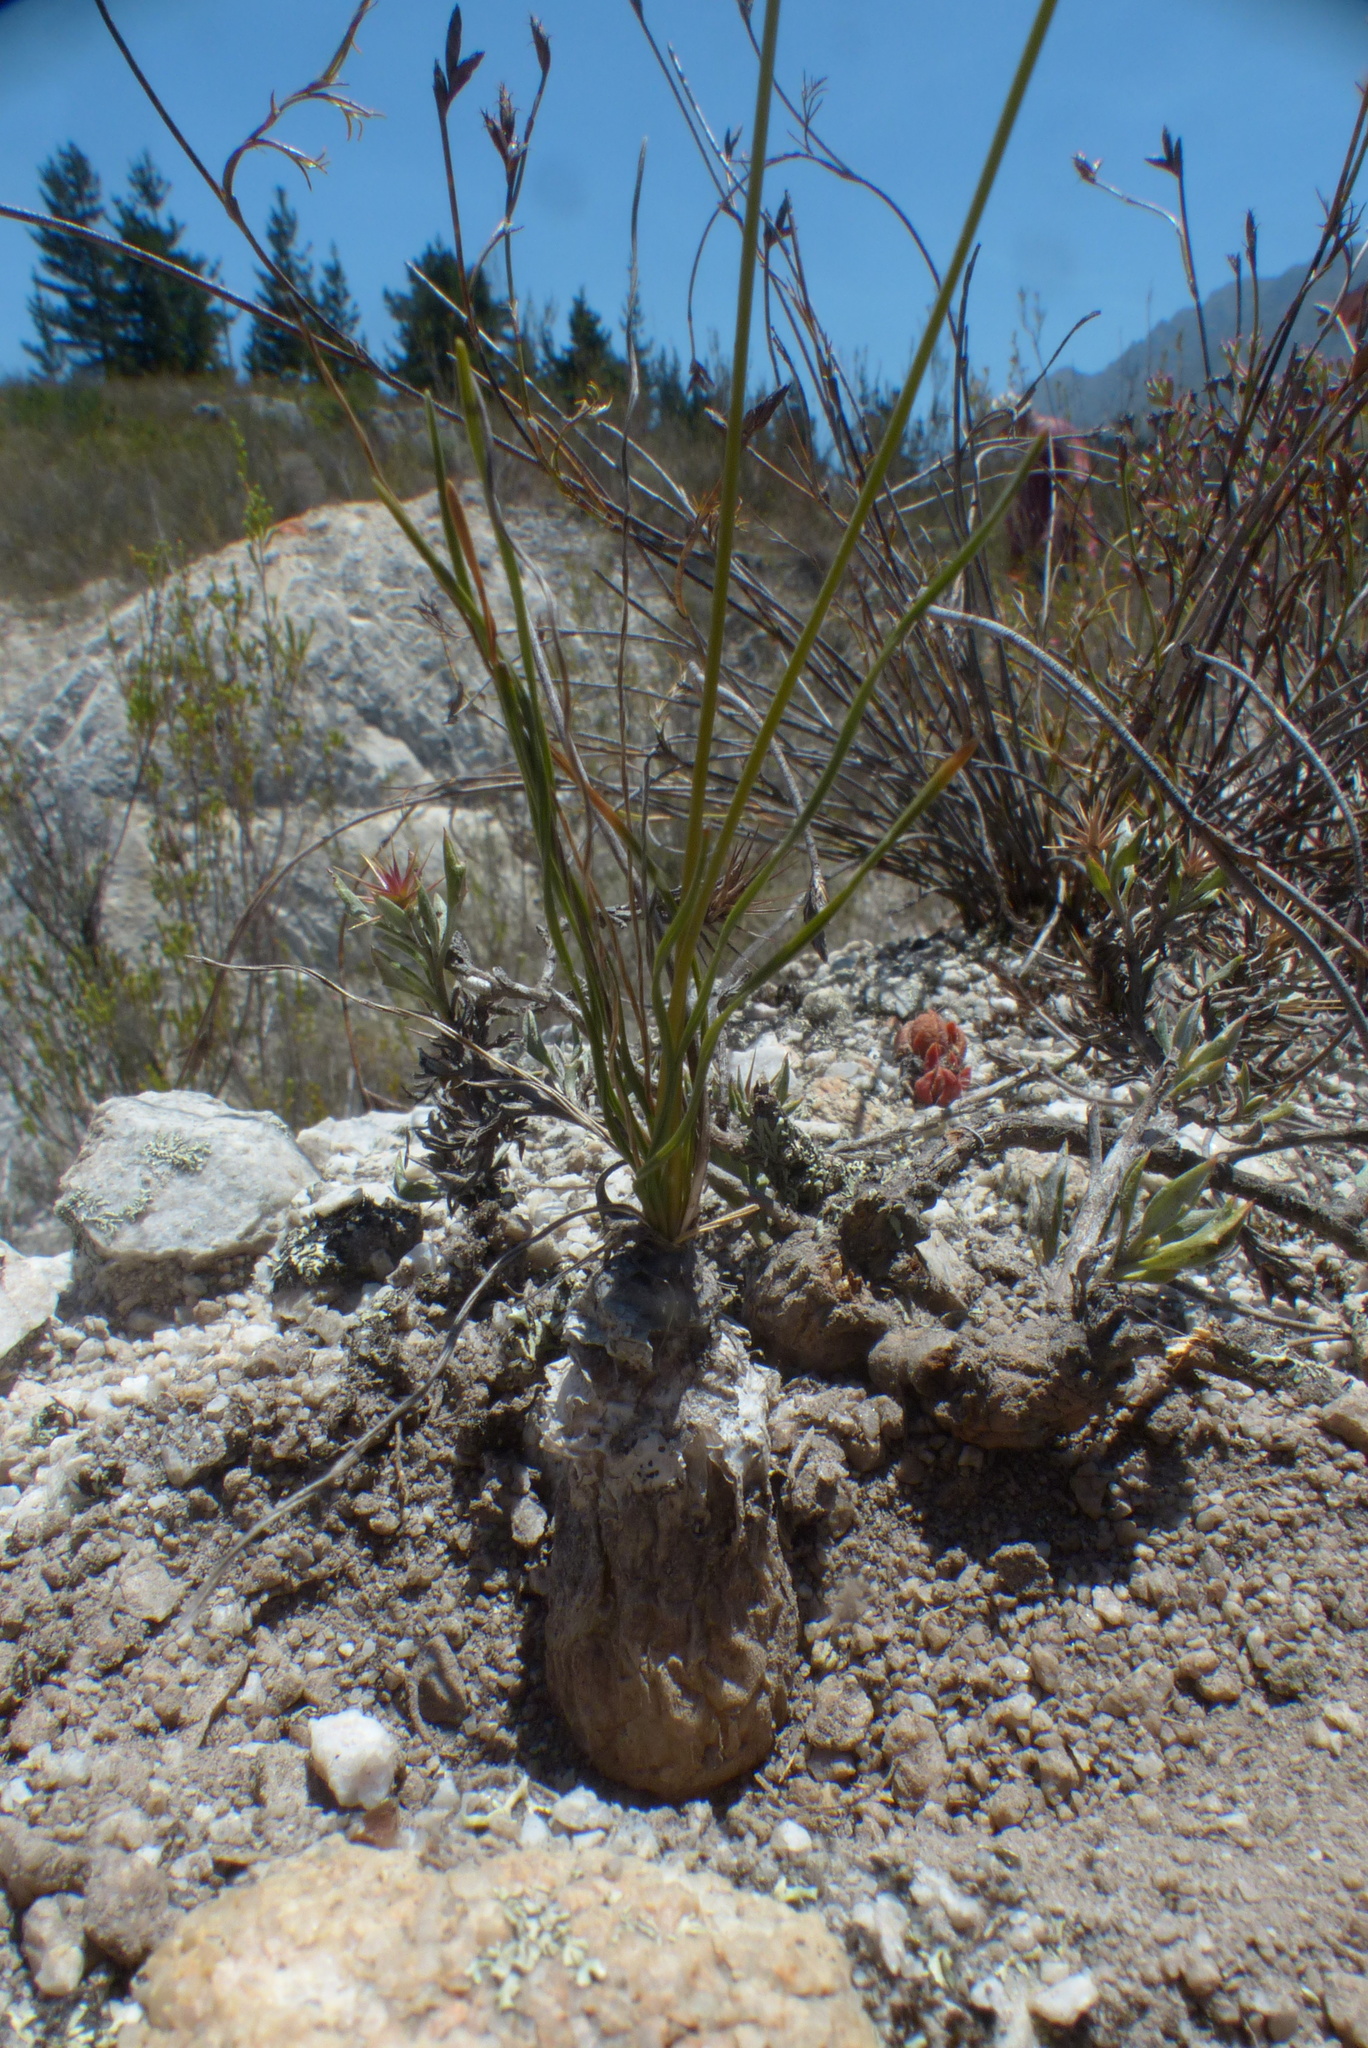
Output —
(176, 1182)
(347, 1946)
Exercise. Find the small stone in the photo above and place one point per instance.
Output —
(1141, 1691)
(528, 1522)
(355, 1755)
(1335, 1713)
(33, 1866)
(791, 1838)
(1089, 1490)
(1346, 2007)
(127, 1906)
(931, 1887)
(574, 1813)
(825, 1005)
(1021, 1569)
(1110, 1611)
(882, 1924)
(1347, 1418)
(34, 1723)
(28, 1297)
(1047, 1668)
(1008, 1806)
(1059, 1774)
(920, 1766)
(905, 1731)
(280, 1779)
(841, 1713)
(1221, 1687)
(1278, 2005)
(1320, 1736)
(53, 1941)
(1064, 2004)
(191, 1452)
(147, 1590)
(1199, 1972)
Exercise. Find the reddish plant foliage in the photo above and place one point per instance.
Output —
(940, 1046)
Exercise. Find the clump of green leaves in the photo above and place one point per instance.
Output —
(1176, 1230)
(1152, 888)
(1174, 1233)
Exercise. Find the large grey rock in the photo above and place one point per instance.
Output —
(29, 1289)
(379, 685)
(171, 1183)
(346, 1945)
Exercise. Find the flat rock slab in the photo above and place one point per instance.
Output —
(179, 1180)
(347, 1947)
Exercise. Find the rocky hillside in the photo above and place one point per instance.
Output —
(395, 733)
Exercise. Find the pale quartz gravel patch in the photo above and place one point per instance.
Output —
(346, 1947)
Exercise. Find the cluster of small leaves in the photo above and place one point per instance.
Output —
(1176, 1232)
(540, 1931)
(774, 1157)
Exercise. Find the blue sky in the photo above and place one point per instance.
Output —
(1261, 91)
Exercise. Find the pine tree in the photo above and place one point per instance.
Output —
(427, 327)
(337, 308)
(165, 325)
(327, 305)
(588, 363)
(95, 309)
(280, 351)
(74, 307)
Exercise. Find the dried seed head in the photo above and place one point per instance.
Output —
(762, 413)
(541, 43)
(453, 43)
(733, 881)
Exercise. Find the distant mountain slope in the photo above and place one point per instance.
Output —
(1093, 399)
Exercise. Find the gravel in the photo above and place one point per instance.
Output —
(1050, 1702)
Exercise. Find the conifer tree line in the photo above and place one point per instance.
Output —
(97, 311)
